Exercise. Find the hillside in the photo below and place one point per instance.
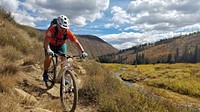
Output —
(184, 48)
(93, 45)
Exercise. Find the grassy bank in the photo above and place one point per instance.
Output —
(112, 96)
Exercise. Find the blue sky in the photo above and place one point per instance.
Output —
(121, 23)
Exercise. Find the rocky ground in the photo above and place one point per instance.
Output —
(38, 98)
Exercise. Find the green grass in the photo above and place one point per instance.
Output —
(181, 78)
(113, 96)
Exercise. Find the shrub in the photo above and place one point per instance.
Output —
(29, 60)
(9, 69)
(9, 103)
(7, 83)
(11, 54)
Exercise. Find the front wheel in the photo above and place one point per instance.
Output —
(68, 91)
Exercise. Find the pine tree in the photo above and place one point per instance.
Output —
(196, 54)
(169, 58)
(177, 55)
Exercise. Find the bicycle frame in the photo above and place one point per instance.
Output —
(66, 65)
(56, 74)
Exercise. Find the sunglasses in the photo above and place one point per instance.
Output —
(61, 27)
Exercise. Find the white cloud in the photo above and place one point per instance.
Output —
(164, 14)
(28, 6)
(123, 40)
(155, 20)
(78, 11)
(120, 15)
(79, 21)
(109, 25)
(9, 5)
(24, 18)
(131, 28)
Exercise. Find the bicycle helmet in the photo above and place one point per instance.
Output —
(63, 21)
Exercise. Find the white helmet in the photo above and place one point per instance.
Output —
(63, 21)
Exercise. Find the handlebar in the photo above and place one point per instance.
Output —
(68, 56)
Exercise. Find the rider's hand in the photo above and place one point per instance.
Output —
(50, 52)
(83, 54)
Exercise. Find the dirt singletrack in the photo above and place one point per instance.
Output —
(34, 88)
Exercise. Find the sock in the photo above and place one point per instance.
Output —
(45, 71)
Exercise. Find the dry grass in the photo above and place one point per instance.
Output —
(20, 39)
(9, 69)
(29, 60)
(9, 77)
(49, 104)
(9, 103)
(113, 96)
(7, 83)
(11, 54)
(15, 45)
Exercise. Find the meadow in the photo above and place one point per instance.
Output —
(174, 87)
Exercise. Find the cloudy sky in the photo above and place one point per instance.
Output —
(122, 23)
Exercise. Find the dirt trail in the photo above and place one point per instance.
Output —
(33, 85)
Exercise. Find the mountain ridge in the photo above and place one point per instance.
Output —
(187, 47)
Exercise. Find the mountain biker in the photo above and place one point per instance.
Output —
(57, 43)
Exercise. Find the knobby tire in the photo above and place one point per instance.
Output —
(65, 95)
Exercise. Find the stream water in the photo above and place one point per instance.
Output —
(128, 83)
(142, 90)
(117, 75)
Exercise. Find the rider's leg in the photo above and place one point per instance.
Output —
(47, 62)
(63, 49)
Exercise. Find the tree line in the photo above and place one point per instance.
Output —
(188, 55)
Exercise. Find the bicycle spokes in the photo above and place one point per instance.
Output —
(68, 92)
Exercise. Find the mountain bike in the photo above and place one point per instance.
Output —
(68, 88)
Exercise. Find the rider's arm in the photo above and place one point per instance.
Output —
(46, 43)
(79, 46)
(47, 40)
(72, 37)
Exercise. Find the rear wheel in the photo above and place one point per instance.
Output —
(51, 75)
(68, 91)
